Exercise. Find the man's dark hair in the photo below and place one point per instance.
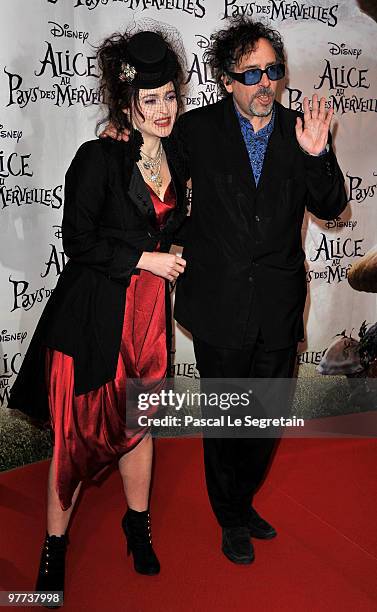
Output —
(230, 44)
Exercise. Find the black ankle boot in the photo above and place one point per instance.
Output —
(52, 566)
(137, 528)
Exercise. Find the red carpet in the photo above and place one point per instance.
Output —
(321, 495)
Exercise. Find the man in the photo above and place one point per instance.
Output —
(254, 166)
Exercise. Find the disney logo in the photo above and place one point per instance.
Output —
(342, 49)
(17, 134)
(58, 233)
(203, 41)
(58, 31)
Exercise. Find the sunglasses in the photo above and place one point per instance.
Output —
(254, 75)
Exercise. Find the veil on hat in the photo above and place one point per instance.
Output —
(168, 32)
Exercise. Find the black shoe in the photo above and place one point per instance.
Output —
(236, 545)
(52, 566)
(137, 528)
(258, 527)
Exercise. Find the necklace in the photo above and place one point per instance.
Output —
(154, 167)
(151, 162)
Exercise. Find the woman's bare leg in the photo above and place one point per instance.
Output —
(57, 519)
(135, 469)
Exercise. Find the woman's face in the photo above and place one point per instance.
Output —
(159, 107)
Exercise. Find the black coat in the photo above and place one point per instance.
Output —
(108, 221)
(243, 242)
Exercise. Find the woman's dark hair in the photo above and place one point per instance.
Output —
(229, 45)
(117, 94)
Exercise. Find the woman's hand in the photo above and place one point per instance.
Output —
(162, 264)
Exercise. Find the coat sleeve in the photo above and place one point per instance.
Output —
(181, 234)
(86, 185)
(179, 144)
(325, 183)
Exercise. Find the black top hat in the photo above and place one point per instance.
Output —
(149, 62)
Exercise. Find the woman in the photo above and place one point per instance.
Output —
(106, 321)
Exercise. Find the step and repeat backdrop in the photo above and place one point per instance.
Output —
(49, 105)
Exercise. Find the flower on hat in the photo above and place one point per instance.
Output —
(127, 72)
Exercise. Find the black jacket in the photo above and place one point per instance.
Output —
(108, 221)
(243, 241)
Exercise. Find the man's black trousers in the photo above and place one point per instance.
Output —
(235, 467)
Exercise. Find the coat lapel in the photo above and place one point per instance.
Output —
(277, 153)
(238, 155)
(138, 191)
(140, 196)
(133, 183)
(175, 217)
(178, 181)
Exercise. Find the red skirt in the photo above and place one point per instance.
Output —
(94, 429)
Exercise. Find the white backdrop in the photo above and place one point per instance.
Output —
(49, 106)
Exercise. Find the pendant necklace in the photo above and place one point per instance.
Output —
(154, 166)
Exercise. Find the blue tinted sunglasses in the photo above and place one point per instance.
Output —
(254, 75)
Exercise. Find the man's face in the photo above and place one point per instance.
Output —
(159, 107)
(255, 100)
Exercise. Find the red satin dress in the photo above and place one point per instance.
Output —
(91, 430)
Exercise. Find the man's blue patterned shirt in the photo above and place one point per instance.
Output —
(256, 142)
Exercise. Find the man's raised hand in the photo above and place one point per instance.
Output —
(312, 136)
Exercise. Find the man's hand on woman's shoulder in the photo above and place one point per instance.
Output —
(111, 132)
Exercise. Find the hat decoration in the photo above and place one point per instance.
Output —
(127, 72)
